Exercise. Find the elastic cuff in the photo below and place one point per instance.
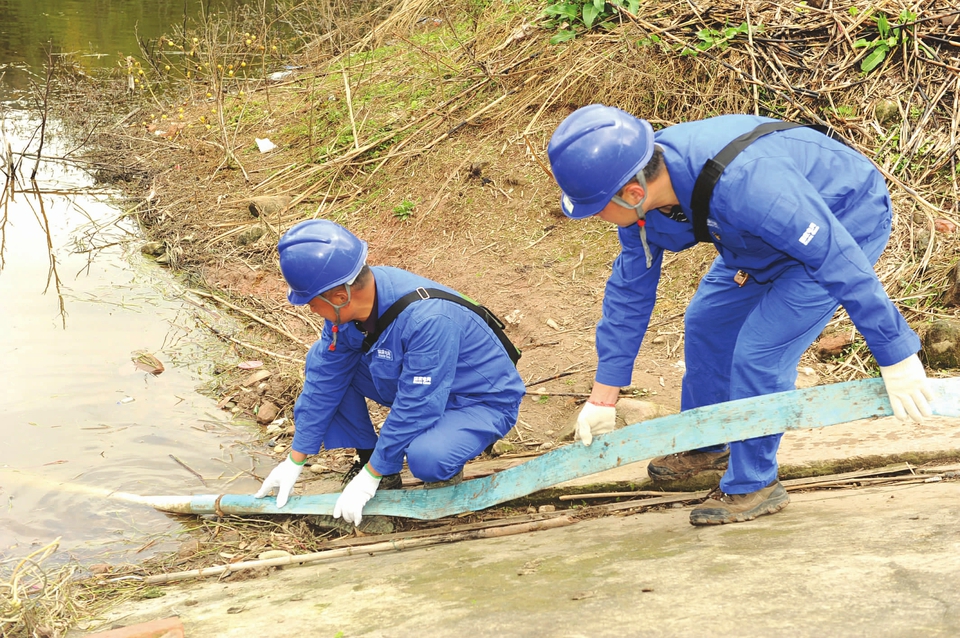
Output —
(619, 378)
(371, 472)
(290, 456)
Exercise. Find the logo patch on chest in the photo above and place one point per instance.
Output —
(383, 353)
(422, 380)
(809, 233)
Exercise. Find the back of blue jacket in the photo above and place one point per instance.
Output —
(791, 197)
(436, 355)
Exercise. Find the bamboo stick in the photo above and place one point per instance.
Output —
(592, 495)
(368, 550)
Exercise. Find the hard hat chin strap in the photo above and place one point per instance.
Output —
(641, 215)
(336, 309)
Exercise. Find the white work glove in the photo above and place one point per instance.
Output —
(282, 477)
(593, 420)
(355, 495)
(906, 384)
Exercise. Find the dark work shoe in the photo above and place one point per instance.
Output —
(387, 482)
(360, 458)
(720, 508)
(675, 467)
(352, 472)
(391, 482)
(456, 479)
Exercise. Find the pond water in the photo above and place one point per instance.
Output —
(80, 420)
(95, 33)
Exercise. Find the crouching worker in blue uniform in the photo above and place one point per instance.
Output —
(452, 387)
(799, 220)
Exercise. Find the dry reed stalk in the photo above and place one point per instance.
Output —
(37, 598)
(245, 344)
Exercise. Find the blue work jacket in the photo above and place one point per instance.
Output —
(791, 197)
(436, 355)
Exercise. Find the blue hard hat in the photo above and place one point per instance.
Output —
(317, 255)
(594, 153)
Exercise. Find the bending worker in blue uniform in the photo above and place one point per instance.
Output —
(451, 386)
(798, 218)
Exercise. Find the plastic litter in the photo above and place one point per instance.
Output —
(265, 145)
(126, 400)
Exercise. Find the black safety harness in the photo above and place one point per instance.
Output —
(710, 174)
(435, 293)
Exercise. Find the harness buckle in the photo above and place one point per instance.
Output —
(422, 292)
(741, 278)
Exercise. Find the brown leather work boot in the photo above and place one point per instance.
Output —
(722, 508)
(675, 467)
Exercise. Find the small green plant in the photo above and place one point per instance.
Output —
(567, 16)
(649, 41)
(717, 38)
(404, 210)
(880, 47)
(845, 110)
(889, 38)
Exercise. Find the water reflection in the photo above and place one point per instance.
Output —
(80, 420)
(94, 33)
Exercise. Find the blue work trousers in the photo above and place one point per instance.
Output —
(747, 341)
(436, 454)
